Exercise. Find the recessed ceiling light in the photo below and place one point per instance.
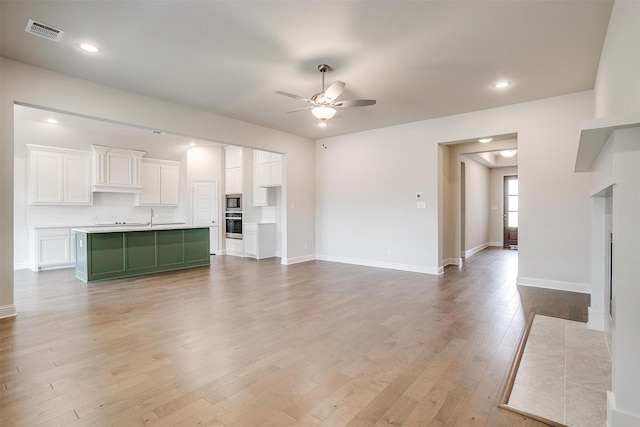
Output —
(502, 85)
(52, 121)
(322, 124)
(192, 144)
(508, 153)
(485, 140)
(89, 47)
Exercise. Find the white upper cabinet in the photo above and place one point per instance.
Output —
(233, 170)
(160, 181)
(59, 176)
(116, 170)
(268, 168)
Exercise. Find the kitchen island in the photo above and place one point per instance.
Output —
(114, 252)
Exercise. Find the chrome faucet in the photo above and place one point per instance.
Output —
(151, 215)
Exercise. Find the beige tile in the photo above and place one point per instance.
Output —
(547, 326)
(542, 374)
(537, 402)
(581, 340)
(584, 406)
(544, 347)
(588, 371)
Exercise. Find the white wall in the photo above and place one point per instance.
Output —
(476, 207)
(617, 88)
(366, 183)
(617, 94)
(30, 85)
(496, 203)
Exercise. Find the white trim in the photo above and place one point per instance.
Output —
(617, 417)
(8, 311)
(379, 264)
(475, 250)
(496, 244)
(21, 265)
(583, 288)
(595, 320)
(450, 261)
(298, 260)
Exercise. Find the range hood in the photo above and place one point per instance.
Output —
(116, 170)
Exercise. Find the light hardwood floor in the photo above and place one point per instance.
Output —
(255, 343)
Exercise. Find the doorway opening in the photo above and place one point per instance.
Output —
(510, 212)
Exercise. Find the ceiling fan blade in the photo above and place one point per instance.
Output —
(290, 95)
(334, 91)
(299, 109)
(355, 103)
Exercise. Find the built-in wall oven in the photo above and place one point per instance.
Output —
(233, 225)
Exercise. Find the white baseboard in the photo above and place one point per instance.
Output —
(21, 265)
(380, 264)
(475, 250)
(298, 260)
(595, 320)
(617, 417)
(583, 288)
(450, 261)
(8, 311)
(498, 244)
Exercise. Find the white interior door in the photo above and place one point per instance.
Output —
(205, 209)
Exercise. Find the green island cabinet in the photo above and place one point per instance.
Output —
(102, 255)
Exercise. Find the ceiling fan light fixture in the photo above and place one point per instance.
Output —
(323, 113)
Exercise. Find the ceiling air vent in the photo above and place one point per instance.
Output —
(43, 30)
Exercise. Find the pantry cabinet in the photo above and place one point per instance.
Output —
(59, 176)
(160, 181)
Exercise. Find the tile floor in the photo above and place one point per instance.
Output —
(564, 373)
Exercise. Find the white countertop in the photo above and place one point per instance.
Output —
(127, 228)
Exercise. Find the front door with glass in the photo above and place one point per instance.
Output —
(511, 211)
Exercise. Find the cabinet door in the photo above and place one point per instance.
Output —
(45, 177)
(233, 157)
(259, 193)
(150, 178)
(264, 175)
(169, 185)
(52, 247)
(72, 246)
(275, 174)
(251, 243)
(233, 181)
(77, 180)
(262, 157)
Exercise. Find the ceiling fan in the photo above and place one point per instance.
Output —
(323, 104)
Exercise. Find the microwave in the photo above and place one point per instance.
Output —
(234, 202)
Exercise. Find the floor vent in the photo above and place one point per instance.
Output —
(43, 30)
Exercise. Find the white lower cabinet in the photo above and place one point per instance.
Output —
(52, 248)
(234, 247)
(259, 240)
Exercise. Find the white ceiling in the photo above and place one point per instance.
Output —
(418, 59)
